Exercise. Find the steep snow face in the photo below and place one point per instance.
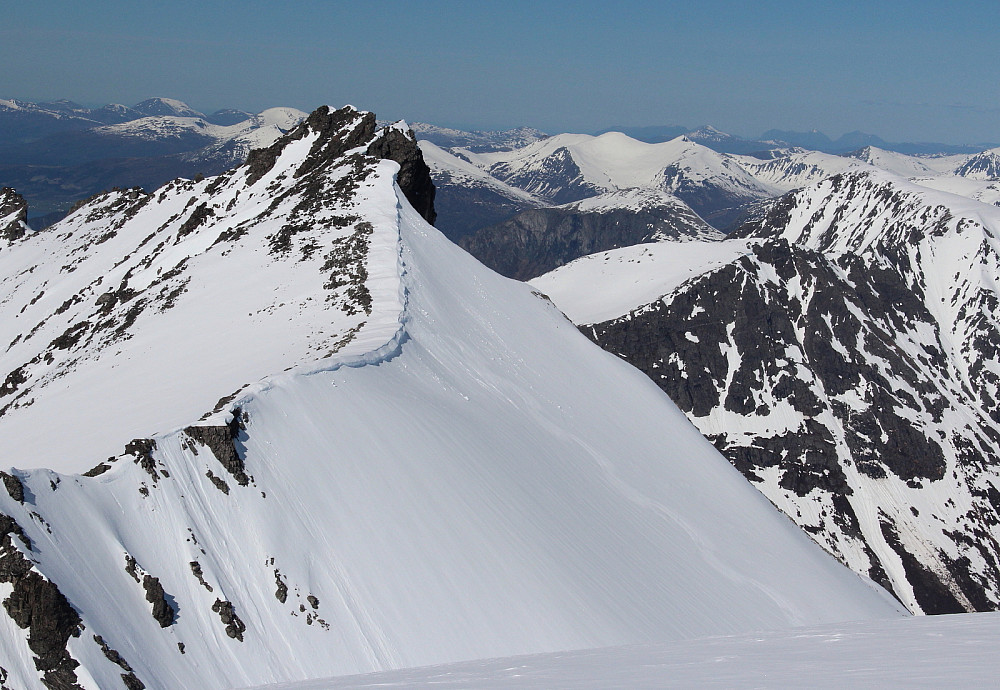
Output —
(468, 477)
(202, 280)
(847, 365)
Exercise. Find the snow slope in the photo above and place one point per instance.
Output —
(795, 168)
(606, 285)
(469, 477)
(449, 169)
(96, 309)
(944, 651)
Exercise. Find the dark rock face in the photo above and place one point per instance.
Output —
(14, 211)
(464, 209)
(234, 626)
(718, 205)
(539, 240)
(219, 440)
(37, 604)
(14, 486)
(821, 367)
(414, 177)
(163, 612)
(141, 449)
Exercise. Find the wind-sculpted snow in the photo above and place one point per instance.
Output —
(848, 366)
(466, 477)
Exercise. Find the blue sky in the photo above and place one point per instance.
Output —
(919, 70)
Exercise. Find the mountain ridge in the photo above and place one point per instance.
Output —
(442, 487)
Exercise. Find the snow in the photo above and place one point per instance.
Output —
(469, 478)
(636, 199)
(614, 161)
(606, 285)
(128, 389)
(943, 651)
(445, 165)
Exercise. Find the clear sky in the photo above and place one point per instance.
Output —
(917, 71)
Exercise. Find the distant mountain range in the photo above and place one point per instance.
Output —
(777, 138)
(58, 153)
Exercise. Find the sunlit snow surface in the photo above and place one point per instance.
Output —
(170, 318)
(472, 479)
(939, 652)
(606, 285)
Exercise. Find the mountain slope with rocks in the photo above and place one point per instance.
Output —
(426, 478)
(844, 359)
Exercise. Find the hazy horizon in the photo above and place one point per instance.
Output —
(914, 71)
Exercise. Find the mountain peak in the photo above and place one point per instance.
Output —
(166, 106)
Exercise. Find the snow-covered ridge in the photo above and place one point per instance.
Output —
(134, 288)
(460, 492)
(451, 169)
(614, 161)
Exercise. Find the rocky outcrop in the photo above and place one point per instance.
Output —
(227, 613)
(163, 612)
(221, 441)
(13, 215)
(414, 177)
(36, 604)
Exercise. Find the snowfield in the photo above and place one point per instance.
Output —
(937, 652)
(842, 354)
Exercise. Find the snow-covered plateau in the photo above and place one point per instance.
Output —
(324, 440)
